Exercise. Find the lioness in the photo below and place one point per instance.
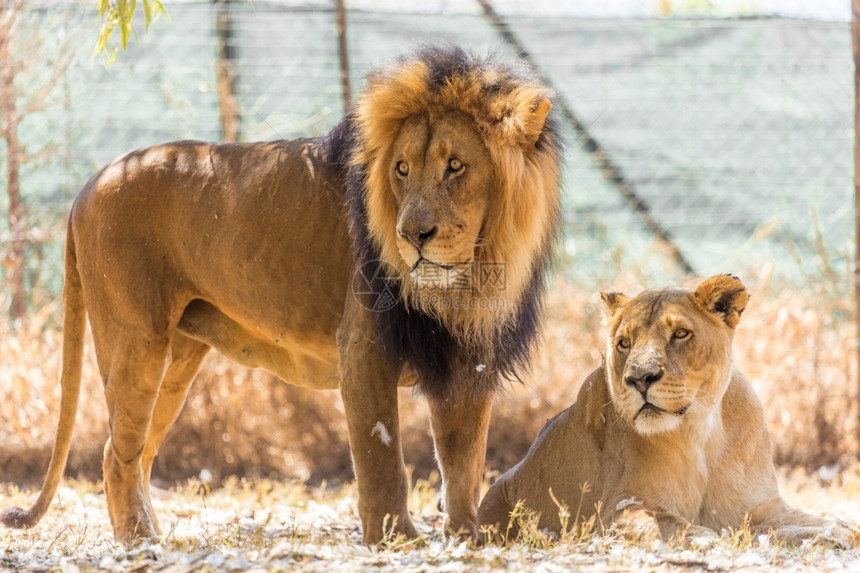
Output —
(405, 247)
(666, 437)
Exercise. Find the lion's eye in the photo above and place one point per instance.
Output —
(623, 343)
(455, 164)
(681, 334)
(402, 168)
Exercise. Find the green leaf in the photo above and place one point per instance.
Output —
(147, 13)
(123, 20)
(160, 10)
(120, 14)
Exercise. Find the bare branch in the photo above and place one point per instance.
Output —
(38, 100)
(9, 12)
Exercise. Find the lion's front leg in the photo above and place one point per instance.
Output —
(370, 401)
(369, 390)
(460, 426)
(643, 525)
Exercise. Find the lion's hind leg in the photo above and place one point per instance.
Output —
(794, 526)
(133, 364)
(186, 354)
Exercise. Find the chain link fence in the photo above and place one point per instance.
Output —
(734, 134)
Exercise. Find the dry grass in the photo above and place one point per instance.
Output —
(264, 525)
(797, 346)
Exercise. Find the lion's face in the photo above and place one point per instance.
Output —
(669, 351)
(457, 161)
(440, 176)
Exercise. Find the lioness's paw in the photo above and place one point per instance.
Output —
(638, 526)
(839, 534)
(699, 538)
(696, 537)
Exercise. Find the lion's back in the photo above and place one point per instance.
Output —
(205, 218)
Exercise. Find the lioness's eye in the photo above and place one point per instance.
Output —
(402, 168)
(455, 164)
(681, 334)
(623, 343)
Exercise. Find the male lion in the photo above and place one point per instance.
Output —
(407, 246)
(665, 438)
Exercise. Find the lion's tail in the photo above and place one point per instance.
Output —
(74, 324)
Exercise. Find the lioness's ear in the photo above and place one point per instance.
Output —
(536, 120)
(724, 295)
(612, 303)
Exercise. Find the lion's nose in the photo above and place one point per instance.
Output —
(643, 379)
(418, 235)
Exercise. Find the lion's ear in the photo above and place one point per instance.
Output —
(536, 120)
(724, 295)
(612, 303)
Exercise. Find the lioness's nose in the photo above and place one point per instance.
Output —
(418, 234)
(642, 379)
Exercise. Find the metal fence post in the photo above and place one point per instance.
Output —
(600, 155)
(344, 56)
(225, 72)
(855, 37)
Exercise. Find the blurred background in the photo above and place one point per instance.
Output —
(702, 137)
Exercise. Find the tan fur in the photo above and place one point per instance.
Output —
(245, 248)
(697, 461)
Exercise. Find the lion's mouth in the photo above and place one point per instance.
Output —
(429, 262)
(651, 410)
(430, 274)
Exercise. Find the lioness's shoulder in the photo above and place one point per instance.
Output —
(591, 412)
(742, 409)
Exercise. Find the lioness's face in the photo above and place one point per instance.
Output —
(669, 353)
(441, 177)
